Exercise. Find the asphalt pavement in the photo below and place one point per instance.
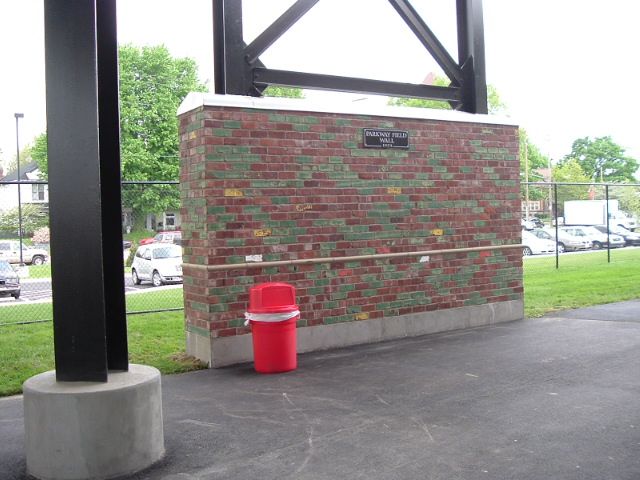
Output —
(551, 398)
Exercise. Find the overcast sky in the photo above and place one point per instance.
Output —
(566, 69)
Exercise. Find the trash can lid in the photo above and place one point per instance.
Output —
(272, 297)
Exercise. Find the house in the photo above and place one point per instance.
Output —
(29, 193)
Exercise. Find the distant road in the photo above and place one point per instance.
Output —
(39, 290)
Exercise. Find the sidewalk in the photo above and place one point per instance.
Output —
(550, 398)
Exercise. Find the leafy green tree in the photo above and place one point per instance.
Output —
(602, 159)
(570, 172)
(629, 198)
(531, 155)
(38, 152)
(494, 103)
(283, 92)
(152, 86)
(33, 218)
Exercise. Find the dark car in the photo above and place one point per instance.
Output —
(9, 281)
(630, 238)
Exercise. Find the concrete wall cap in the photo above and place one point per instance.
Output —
(195, 100)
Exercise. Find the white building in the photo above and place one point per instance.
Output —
(33, 194)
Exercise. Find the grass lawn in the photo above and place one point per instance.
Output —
(154, 339)
(158, 339)
(582, 280)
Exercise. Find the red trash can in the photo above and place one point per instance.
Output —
(273, 314)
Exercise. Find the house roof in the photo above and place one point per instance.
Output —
(24, 170)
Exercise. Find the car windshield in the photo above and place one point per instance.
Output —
(170, 251)
(5, 267)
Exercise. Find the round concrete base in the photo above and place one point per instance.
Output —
(87, 430)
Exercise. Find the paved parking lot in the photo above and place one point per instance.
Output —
(550, 398)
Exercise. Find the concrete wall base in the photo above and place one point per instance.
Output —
(87, 430)
(221, 351)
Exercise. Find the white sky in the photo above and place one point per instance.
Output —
(566, 68)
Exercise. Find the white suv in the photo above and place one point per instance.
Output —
(159, 263)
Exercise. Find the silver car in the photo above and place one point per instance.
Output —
(598, 239)
(568, 240)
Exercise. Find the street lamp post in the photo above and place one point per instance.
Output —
(19, 116)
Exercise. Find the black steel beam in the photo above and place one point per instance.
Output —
(110, 186)
(428, 39)
(219, 55)
(74, 191)
(471, 55)
(277, 29)
(264, 77)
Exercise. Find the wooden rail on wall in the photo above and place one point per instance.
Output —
(354, 258)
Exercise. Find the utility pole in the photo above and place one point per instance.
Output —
(19, 116)
(526, 179)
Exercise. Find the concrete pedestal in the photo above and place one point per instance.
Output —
(86, 430)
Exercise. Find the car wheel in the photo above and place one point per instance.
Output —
(37, 260)
(560, 248)
(526, 251)
(16, 295)
(597, 245)
(134, 277)
(156, 279)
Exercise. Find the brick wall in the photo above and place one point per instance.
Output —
(293, 185)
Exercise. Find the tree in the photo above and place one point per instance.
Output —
(570, 172)
(38, 153)
(283, 92)
(494, 103)
(33, 218)
(152, 86)
(602, 159)
(531, 156)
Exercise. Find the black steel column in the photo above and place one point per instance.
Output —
(80, 290)
(110, 182)
(471, 55)
(219, 55)
(232, 73)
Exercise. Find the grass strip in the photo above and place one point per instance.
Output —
(154, 339)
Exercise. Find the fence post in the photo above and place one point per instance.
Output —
(555, 217)
(606, 196)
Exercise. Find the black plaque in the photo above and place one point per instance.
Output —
(383, 138)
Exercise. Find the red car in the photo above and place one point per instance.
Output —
(171, 236)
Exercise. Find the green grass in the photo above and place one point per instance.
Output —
(582, 280)
(40, 271)
(154, 339)
(158, 339)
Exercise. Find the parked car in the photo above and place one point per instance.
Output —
(598, 239)
(527, 224)
(535, 245)
(9, 280)
(10, 251)
(159, 263)
(630, 238)
(170, 236)
(568, 240)
(543, 235)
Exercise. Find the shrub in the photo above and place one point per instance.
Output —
(41, 235)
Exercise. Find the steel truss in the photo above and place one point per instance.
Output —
(239, 71)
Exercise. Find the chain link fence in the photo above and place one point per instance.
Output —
(570, 225)
(151, 232)
(576, 224)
